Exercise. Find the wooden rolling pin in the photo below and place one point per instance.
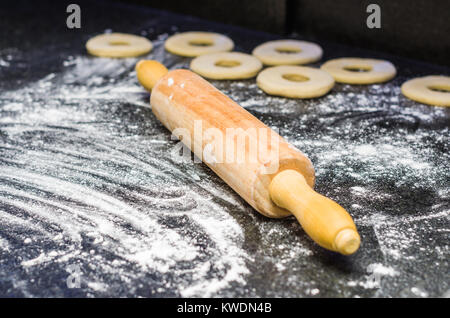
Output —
(179, 98)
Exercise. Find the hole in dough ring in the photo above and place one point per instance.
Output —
(226, 65)
(345, 70)
(118, 45)
(198, 43)
(288, 52)
(295, 81)
(431, 90)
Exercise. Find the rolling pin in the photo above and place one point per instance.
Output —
(275, 186)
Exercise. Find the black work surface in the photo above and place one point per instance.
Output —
(92, 204)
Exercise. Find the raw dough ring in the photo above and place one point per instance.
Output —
(305, 82)
(288, 52)
(421, 90)
(345, 70)
(118, 45)
(226, 65)
(198, 43)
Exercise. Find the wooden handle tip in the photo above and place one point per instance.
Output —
(149, 72)
(347, 241)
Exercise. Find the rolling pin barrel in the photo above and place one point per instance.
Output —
(277, 182)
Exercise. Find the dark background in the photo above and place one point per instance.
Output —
(417, 29)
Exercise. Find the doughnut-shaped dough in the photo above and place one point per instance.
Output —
(423, 90)
(295, 81)
(118, 45)
(198, 43)
(288, 52)
(348, 70)
(226, 65)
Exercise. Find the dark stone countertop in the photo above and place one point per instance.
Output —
(89, 192)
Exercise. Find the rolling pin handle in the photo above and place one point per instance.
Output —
(325, 221)
(149, 72)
